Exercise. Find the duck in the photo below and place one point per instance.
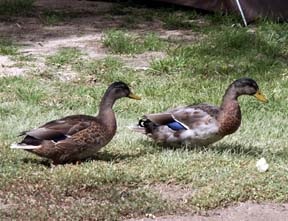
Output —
(200, 124)
(76, 137)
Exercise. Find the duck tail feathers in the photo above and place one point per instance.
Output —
(24, 146)
(137, 129)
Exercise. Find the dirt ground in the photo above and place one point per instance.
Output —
(242, 212)
(85, 33)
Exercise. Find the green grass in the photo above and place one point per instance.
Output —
(119, 182)
(23, 58)
(16, 7)
(106, 70)
(121, 42)
(54, 17)
(11, 49)
(8, 47)
(251, 53)
(172, 18)
(64, 56)
(180, 20)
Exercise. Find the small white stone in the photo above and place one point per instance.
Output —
(149, 215)
(262, 165)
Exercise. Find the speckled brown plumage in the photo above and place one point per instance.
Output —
(76, 137)
(200, 124)
(229, 118)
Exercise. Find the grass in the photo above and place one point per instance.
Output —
(11, 49)
(16, 7)
(180, 20)
(106, 70)
(8, 47)
(212, 55)
(121, 42)
(64, 56)
(173, 18)
(119, 183)
(54, 17)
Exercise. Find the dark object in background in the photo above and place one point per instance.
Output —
(252, 9)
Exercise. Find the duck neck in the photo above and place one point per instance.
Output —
(229, 116)
(106, 113)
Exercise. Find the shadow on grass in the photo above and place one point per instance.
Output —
(238, 149)
(233, 149)
(44, 162)
(108, 157)
(101, 156)
(152, 147)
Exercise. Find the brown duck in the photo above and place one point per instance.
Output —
(200, 124)
(76, 137)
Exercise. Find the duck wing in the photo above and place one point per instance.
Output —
(194, 116)
(160, 118)
(60, 129)
(187, 117)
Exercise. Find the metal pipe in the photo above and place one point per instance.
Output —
(241, 12)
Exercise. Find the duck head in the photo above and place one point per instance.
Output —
(119, 89)
(248, 86)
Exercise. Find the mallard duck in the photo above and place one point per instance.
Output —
(200, 124)
(76, 137)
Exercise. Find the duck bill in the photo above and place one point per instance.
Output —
(134, 96)
(261, 97)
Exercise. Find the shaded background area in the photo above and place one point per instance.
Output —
(275, 9)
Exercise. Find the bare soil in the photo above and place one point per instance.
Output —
(242, 212)
(247, 211)
(85, 33)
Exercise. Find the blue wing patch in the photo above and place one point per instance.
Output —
(176, 126)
